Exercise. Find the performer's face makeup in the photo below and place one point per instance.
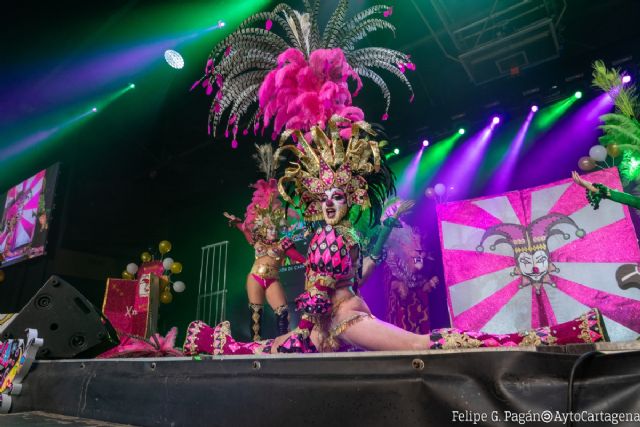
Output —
(271, 233)
(534, 265)
(334, 206)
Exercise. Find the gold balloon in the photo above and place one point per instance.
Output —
(166, 297)
(613, 150)
(164, 246)
(1, 276)
(145, 257)
(164, 283)
(127, 275)
(586, 163)
(176, 268)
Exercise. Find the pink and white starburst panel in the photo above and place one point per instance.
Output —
(538, 257)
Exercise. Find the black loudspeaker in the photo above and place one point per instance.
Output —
(69, 324)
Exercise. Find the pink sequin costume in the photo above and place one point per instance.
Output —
(265, 219)
(301, 82)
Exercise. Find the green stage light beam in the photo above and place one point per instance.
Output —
(53, 131)
(432, 160)
(548, 116)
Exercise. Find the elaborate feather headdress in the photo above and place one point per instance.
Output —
(298, 74)
(325, 162)
(265, 210)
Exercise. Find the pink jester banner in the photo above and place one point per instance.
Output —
(538, 257)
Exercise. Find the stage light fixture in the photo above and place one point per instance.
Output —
(425, 142)
(174, 59)
(626, 79)
(396, 151)
(221, 23)
(578, 94)
(94, 109)
(461, 131)
(495, 120)
(132, 86)
(534, 108)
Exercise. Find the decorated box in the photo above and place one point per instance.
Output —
(132, 305)
(538, 257)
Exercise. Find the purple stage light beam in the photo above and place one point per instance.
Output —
(405, 188)
(24, 144)
(462, 166)
(557, 152)
(502, 177)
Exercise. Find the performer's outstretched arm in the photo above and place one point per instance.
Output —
(597, 192)
(291, 251)
(237, 222)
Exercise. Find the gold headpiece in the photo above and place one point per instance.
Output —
(325, 163)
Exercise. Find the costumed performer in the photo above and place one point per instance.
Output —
(337, 173)
(264, 221)
(407, 283)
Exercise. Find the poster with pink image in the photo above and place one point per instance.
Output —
(24, 223)
(538, 257)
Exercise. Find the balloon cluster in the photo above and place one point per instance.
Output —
(598, 154)
(438, 192)
(169, 266)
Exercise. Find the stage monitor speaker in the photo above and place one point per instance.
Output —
(69, 324)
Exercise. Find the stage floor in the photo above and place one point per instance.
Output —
(369, 389)
(44, 419)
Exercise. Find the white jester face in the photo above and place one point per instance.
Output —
(535, 265)
(334, 206)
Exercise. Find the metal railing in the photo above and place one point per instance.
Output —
(212, 287)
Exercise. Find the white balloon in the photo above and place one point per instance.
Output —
(167, 263)
(132, 268)
(440, 189)
(598, 153)
(179, 286)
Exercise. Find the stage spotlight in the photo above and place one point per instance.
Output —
(221, 23)
(425, 142)
(626, 79)
(174, 59)
(495, 120)
(132, 86)
(94, 109)
(461, 131)
(534, 108)
(396, 151)
(578, 94)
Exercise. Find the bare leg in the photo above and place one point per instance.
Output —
(255, 292)
(372, 334)
(275, 295)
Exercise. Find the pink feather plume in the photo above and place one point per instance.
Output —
(300, 94)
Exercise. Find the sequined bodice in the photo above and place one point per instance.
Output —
(274, 250)
(329, 253)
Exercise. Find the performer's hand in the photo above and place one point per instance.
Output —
(232, 218)
(432, 283)
(582, 182)
(404, 207)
